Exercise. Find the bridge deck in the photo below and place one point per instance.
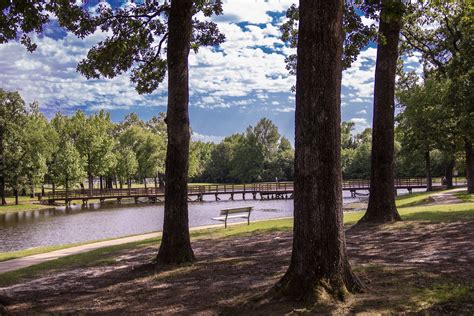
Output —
(265, 190)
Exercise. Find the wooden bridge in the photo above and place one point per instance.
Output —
(264, 191)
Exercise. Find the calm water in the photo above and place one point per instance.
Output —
(58, 226)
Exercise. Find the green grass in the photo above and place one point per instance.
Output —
(414, 199)
(465, 196)
(12, 208)
(439, 213)
(100, 256)
(415, 292)
(434, 213)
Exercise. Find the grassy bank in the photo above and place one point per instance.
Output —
(435, 213)
(12, 208)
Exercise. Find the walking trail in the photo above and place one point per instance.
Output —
(19, 263)
(445, 197)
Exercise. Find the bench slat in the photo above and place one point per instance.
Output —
(236, 210)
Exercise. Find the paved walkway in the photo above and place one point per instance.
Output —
(19, 263)
(446, 197)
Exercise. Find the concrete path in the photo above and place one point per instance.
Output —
(446, 197)
(19, 263)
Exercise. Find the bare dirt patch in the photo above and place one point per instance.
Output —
(400, 264)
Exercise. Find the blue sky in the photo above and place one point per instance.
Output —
(231, 87)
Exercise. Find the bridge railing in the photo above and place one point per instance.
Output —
(220, 188)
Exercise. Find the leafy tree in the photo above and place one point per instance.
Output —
(93, 138)
(381, 207)
(137, 40)
(221, 160)
(199, 158)
(319, 267)
(40, 141)
(356, 161)
(13, 117)
(151, 153)
(68, 165)
(347, 141)
(127, 165)
(442, 33)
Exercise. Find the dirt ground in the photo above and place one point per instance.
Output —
(399, 264)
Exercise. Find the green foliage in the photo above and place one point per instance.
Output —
(127, 164)
(68, 165)
(261, 154)
(357, 35)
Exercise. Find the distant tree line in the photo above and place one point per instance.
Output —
(67, 150)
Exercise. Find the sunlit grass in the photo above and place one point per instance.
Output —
(12, 208)
(466, 197)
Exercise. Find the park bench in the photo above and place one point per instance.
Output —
(241, 212)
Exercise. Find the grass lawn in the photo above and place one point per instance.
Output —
(463, 195)
(414, 199)
(432, 214)
(12, 208)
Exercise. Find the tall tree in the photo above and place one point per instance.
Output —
(138, 36)
(442, 33)
(319, 266)
(381, 206)
(68, 165)
(175, 245)
(13, 117)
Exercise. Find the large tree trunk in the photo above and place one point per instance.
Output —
(449, 172)
(429, 180)
(469, 166)
(319, 266)
(176, 244)
(381, 207)
(2, 169)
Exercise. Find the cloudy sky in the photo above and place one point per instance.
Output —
(230, 87)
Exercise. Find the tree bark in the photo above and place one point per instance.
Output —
(2, 169)
(449, 172)
(101, 182)
(91, 181)
(15, 192)
(109, 182)
(175, 246)
(319, 266)
(381, 207)
(469, 166)
(429, 180)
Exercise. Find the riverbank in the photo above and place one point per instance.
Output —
(402, 201)
(420, 265)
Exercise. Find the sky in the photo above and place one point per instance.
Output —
(231, 87)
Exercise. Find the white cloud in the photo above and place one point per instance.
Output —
(360, 124)
(253, 11)
(206, 138)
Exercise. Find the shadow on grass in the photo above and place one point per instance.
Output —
(440, 216)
